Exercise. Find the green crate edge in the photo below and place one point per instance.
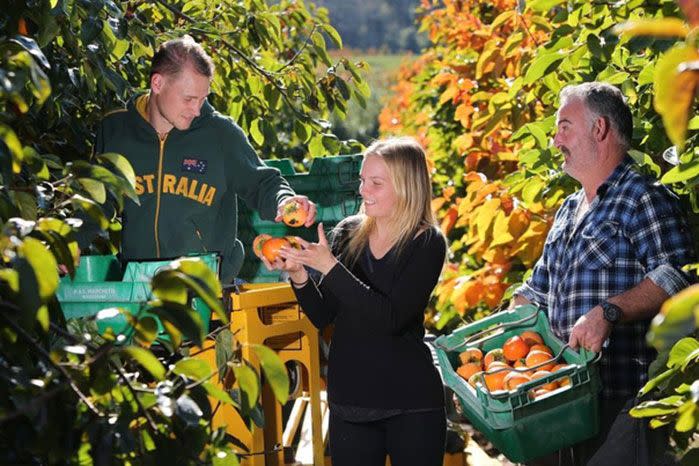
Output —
(126, 294)
(508, 434)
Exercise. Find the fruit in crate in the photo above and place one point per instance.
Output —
(471, 355)
(494, 355)
(515, 348)
(513, 364)
(536, 360)
(468, 369)
(294, 214)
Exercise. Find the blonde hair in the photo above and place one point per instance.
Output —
(407, 167)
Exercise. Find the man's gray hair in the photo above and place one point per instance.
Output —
(604, 100)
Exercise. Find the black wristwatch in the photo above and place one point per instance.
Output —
(611, 312)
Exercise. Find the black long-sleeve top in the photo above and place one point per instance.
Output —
(377, 356)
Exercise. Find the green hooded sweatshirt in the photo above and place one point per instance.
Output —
(188, 185)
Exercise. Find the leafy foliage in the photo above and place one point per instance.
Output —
(675, 383)
(70, 395)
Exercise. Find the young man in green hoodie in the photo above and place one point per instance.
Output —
(191, 165)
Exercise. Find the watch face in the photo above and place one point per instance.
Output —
(611, 312)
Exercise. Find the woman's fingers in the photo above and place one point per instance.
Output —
(322, 240)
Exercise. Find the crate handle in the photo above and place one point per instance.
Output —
(477, 335)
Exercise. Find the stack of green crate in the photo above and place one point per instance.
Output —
(99, 284)
(332, 183)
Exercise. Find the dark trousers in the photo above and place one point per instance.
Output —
(622, 440)
(411, 439)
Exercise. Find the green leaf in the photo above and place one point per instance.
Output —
(168, 286)
(195, 369)
(249, 386)
(179, 319)
(146, 331)
(256, 132)
(58, 246)
(44, 265)
(543, 6)
(688, 419)
(315, 147)
(502, 18)
(654, 408)
(301, 130)
(11, 278)
(42, 317)
(218, 394)
(146, 359)
(224, 351)
(658, 380)
(8, 136)
(275, 371)
(122, 164)
(541, 65)
(31, 46)
(81, 203)
(334, 35)
(678, 317)
(173, 281)
(682, 173)
(683, 350)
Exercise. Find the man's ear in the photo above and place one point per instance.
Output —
(156, 82)
(601, 128)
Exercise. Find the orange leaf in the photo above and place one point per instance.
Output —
(463, 142)
(518, 223)
(463, 113)
(501, 233)
(666, 27)
(484, 217)
(448, 221)
(674, 91)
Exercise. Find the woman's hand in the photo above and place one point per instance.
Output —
(318, 255)
(294, 268)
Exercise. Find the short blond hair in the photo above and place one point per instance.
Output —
(175, 54)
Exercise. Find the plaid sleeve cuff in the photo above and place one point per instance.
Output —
(531, 294)
(668, 278)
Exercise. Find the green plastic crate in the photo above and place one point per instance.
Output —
(520, 427)
(332, 183)
(99, 285)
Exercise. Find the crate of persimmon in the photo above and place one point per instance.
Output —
(525, 390)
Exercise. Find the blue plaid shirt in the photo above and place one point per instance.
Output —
(632, 230)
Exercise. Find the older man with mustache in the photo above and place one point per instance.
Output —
(613, 255)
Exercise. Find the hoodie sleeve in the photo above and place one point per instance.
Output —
(261, 187)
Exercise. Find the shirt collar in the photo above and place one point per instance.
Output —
(617, 176)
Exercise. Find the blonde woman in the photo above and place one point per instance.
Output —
(386, 396)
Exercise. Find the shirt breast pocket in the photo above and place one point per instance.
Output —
(599, 245)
